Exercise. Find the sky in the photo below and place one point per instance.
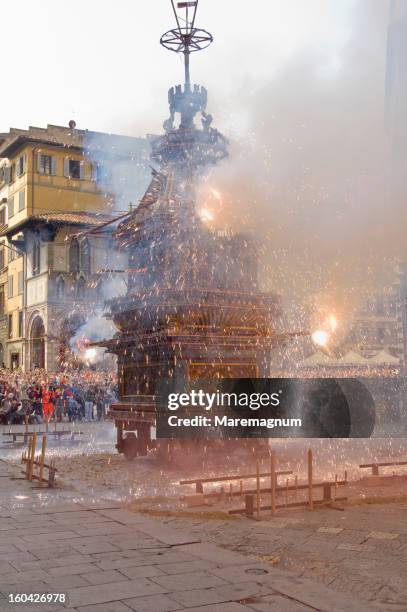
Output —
(298, 87)
(101, 64)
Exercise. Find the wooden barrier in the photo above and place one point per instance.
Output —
(375, 466)
(27, 433)
(328, 496)
(32, 461)
(273, 482)
(199, 482)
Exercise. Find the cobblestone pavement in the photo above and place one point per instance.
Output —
(361, 550)
(107, 559)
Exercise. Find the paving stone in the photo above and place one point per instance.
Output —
(90, 548)
(23, 587)
(356, 547)
(332, 530)
(144, 558)
(132, 543)
(144, 571)
(111, 556)
(210, 552)
(52, 607)
(51, 552)
(187, 566)
(104, 577)
(113, 606)
(24, 566)
(382, 535)
(7, 548)
(67, 570)
(73, 559)
(154, 603)
(17, 577)
(101, 529)
(313, 594)
(225, 607)
(57, 535)
(242, 573)
(238, 592)
(155, 548)
(122, 516)
(65, 582)
(200, 597)
(186, 582)
(77, 516)
(167, 536)
(104, 593)
(17, 556)
(277, 603)
(6, 567)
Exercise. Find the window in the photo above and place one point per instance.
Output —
(60, 288)
(46, 164)
(10, 325)
(80, 288)
(20, 165)
(11, 254)
(85, 256)
(21, 200)
(20, 282)
(36, 257)
(74, 256)
(2, 300)
(3, 216)
(20, 324)
(10, 287)
(74, 168)
(8, 174)
(2, 258)
(10, 205)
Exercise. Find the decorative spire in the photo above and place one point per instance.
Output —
(186, 39)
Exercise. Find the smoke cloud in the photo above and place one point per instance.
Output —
(311, 172)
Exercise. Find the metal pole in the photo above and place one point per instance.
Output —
(187, 74)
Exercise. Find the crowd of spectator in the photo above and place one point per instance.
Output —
(79, 395)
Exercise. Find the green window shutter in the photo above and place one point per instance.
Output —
(53, 165)
(21, 200)
(82, 170)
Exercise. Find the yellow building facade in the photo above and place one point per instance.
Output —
(50, 184)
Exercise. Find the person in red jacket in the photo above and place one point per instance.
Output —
(47, 405)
